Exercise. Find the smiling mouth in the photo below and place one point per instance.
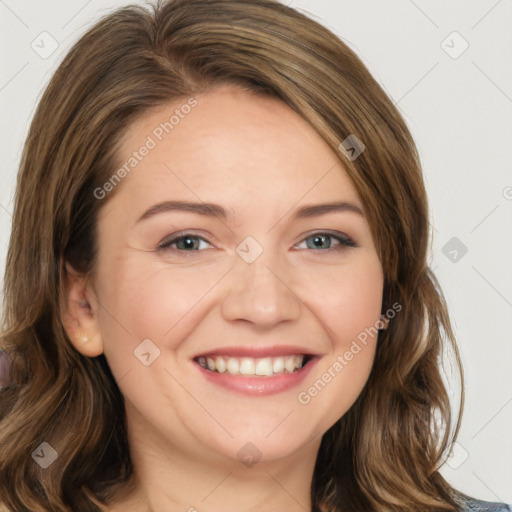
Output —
(253, 367)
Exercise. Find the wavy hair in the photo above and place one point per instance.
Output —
(384, 454)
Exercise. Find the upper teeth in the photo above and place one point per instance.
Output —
(252, 366)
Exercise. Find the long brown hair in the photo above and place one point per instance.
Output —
(384, 454)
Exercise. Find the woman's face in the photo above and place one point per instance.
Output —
(272, 282)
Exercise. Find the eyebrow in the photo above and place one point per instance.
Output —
(215, 210)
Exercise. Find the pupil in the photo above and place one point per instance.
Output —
(318, 240)
(188, 242)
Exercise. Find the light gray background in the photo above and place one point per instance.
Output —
(459, 109)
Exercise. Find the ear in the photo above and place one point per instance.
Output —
(383, 322)
(79, 314)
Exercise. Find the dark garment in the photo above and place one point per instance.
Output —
(485, 506)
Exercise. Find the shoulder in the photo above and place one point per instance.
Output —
(472, 505)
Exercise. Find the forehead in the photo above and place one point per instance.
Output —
(231, 146)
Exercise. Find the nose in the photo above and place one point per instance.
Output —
(260, 293)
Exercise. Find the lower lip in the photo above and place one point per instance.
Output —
(258, 386)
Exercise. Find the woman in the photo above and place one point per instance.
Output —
(217, 295)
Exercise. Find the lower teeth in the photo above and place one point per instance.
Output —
(284, 372)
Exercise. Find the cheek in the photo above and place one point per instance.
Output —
(347, 299)
(349, 306)
(144, 301)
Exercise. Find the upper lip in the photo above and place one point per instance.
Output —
(257, 352)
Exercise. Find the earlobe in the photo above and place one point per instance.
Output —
(90, 346)
(383, 323)
(79, 314)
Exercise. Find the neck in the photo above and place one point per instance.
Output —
(173, 477)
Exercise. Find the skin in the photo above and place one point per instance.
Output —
(261, 161)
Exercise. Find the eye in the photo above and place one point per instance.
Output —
(188, 242)
(184, 242)
(323, 241)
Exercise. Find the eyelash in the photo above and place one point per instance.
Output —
(343, 240)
